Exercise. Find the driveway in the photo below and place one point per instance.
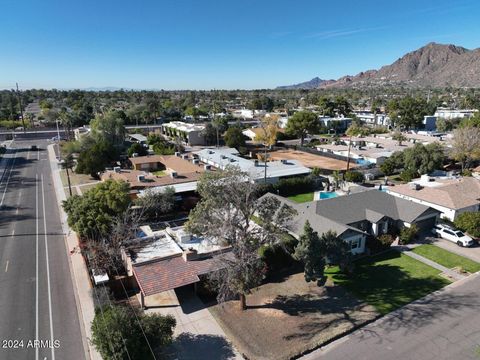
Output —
(197, 334)
(472, 253)
(442, 325)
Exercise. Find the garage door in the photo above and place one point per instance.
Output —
(426, 225)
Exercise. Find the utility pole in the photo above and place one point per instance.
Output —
(21, 108)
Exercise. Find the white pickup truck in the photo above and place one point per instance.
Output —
(454, 235)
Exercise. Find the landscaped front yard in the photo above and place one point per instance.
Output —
(389, 280)
(290, 316)
(446, 258)
(301, 198)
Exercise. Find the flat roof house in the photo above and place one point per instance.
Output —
(189, 134)
(221, 158)
(354, 217)
(166, 259)
(450, 196)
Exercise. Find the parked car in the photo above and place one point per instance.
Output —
(454, 235)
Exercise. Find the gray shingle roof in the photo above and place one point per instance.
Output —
(335, 214)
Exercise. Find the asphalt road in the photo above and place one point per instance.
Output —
(445, 325)
(36, 291)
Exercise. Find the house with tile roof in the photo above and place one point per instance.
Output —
(450, 196)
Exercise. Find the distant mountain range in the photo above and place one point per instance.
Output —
(433, 65)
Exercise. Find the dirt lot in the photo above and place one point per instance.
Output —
(310, 160)
(289, 317)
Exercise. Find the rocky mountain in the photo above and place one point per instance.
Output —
(433, 65)
(315, 83)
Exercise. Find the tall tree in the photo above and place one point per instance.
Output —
(268, 136)
(110, 127)
(301, 123)
(234, 137)
(229, 203)
(317, 251)
(466, 145)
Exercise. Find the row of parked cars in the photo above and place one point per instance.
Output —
(448, 233)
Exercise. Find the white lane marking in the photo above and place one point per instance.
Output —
(6, 267)
(48, 268)
(36, 267)
(38, 155)
(8, 180)
(28, 155)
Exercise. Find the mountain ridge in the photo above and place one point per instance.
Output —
(433, 65)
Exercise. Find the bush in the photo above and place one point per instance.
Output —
(408, 175)
(116, 328)
(279, 256)
(354, 176)
(293, 186)
(386, 240)
(407, 234)
(469, 222)
(137, 148)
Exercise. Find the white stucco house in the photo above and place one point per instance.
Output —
(450, 196)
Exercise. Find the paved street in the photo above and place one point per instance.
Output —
(36, 298)
(444, 325)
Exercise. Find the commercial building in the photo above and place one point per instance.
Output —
(189, 134)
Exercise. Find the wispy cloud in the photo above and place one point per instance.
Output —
(329, 34)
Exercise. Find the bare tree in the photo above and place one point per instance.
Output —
(466, 145)
(230, 211)
(268, 136)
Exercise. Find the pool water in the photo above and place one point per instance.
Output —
(328, 195)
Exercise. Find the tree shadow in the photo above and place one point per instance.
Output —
(187, 346)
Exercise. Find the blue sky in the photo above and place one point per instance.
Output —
(213, 44)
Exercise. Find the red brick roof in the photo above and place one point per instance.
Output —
(171, 273)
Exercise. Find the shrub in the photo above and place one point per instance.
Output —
(386, 240)
(408, 175)
(407, 234)
(469, 222)
(137, 148)
(354, 176)
(293, 186)
(279, 256)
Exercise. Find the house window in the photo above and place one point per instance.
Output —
(354, 244)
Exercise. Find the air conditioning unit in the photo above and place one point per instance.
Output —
(117, 169)
(173, 174)
(255, 162)
(135, 155)
(415, 186)
(141, 178)
(207, 167)
(195, 161)
(223, 157)
(185, 156)
(284, 161)
(177, 153)
(210, 152)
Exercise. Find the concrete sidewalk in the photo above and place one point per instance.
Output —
(78, 268)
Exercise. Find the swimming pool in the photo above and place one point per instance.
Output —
(328, 195)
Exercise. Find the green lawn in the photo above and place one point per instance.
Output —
(446, 258)
(389, 280)
(301, 198)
